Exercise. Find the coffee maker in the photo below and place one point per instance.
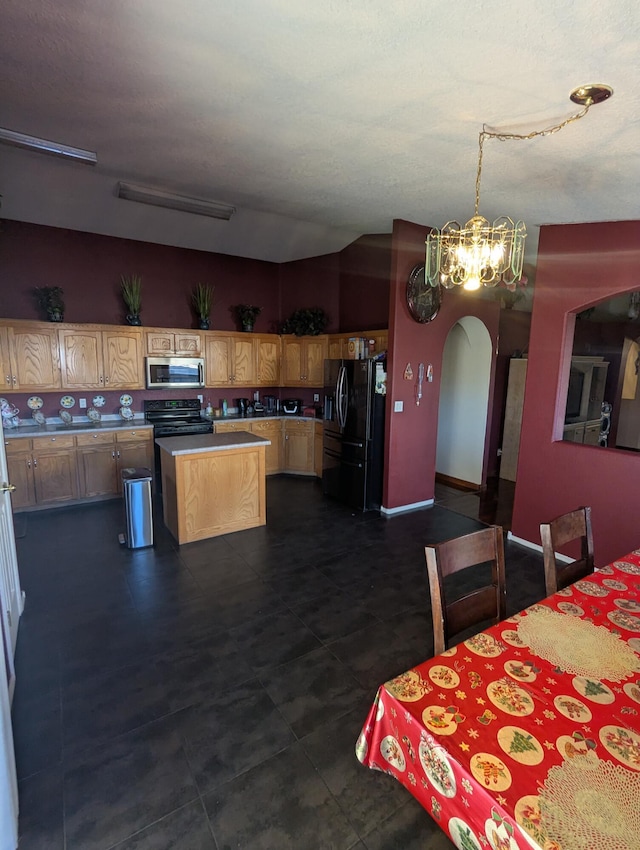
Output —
(271, 405)
(243, 406)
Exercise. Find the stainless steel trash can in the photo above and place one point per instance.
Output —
(136, 489)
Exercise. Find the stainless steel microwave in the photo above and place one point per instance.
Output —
(179, 372)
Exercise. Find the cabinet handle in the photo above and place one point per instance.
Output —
(101, 379)
(113, 455)
(106, 380)
(35, 463)
(14, 380)
(118, 452)
(28, 464)
(8, 379)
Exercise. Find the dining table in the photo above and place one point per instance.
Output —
(528, 733)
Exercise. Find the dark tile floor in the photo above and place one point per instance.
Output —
(210, 696)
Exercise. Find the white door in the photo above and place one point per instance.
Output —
(10, 613)
(10, 592)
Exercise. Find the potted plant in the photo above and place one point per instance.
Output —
(247, 315)
(202, 299)
(131, 287)
(50, 300)
(309, 321)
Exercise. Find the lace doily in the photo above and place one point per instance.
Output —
(576, 646)
(587, 809)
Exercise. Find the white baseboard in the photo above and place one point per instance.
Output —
(403, 509)
(538, 548)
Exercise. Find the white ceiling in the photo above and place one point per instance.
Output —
(320, 120)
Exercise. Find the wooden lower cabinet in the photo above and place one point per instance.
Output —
(270, 429)
(102, 457)
(298, 446)
(64, 468)
(317, 449)
(43, 470)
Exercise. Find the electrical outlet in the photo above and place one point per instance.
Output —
(316, 396)
(200, 398)
(398, 406)
(83, 403)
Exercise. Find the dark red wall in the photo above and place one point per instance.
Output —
(88, 268)
(411, 436)
(578, 266)
(365, 267)
(312, 282)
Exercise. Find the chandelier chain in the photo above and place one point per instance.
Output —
(503, 137)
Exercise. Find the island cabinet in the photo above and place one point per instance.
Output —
(303, 360)
(29, 356)
(103, 455)
(101, 359)
(43, 470)
(231, 359)
(165, 342)
(212, 484)
(298, 446)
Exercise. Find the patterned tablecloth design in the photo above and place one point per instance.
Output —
(528, 734)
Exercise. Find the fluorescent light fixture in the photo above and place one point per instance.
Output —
(33, 143)
(158, 198)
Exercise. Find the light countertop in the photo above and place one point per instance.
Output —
(200, 443)
(31, 429)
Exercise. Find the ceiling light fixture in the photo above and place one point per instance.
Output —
(159, 198)
(33, 143)
(484, 253)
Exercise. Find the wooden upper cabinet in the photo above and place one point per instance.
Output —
(335, 346)
(268, 346)
(92, 359)
(303, 360)
(160, 342)
(30, 357)
(231, 360)
(122, 351)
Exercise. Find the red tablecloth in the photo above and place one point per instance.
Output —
(528, 734)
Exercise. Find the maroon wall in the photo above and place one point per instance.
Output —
(411, 435)
(88, 268)
(365, 267)
(578, 265)
(312, 282)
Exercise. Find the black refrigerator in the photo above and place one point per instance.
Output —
(353, 440)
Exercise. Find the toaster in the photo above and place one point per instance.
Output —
(292, 406)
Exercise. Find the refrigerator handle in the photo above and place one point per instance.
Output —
(343, 401)
(338, 396)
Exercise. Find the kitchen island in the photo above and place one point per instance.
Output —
(212, 484)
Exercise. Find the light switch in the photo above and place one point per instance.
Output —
(398, 406)
(83, 403)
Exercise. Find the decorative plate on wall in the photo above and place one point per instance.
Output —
(99, 401)
(423, 300)
(126, 400)
(35, 402)
(67, 401)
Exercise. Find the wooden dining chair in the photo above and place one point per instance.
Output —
(572, 526)
(481, 603)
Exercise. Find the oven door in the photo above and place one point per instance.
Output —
(178, 372)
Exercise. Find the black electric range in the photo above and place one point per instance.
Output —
(174, 418)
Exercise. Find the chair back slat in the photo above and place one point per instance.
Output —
(478, 605)
(575, 525)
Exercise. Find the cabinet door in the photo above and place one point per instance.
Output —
(298, 447)
(188, 344)
(316, 352)
(335, 347)
(133, 455)
(317, 449)
(81, 359)
(244, 360)
(271, 430)
(54, 469)
(292, 361)
(5, 361)
(122, 353)
(19, 466)
(96, 464)
(218, 361)
(268, 361)
(159, 343)
(592, 434)
(33, 353)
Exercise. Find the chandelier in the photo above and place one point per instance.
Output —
(484, 253)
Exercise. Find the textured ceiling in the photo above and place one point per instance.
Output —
(319, 120)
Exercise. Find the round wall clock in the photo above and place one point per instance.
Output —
(423, 300)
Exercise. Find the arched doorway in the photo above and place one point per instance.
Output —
(464, 401)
